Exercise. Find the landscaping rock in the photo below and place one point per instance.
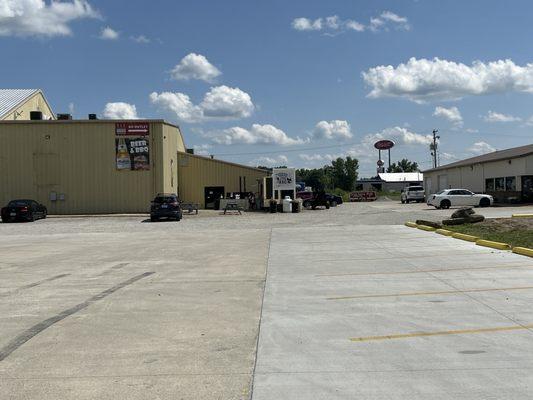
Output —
(428, 223)
(475, 218)
(454, 221)
(463, 212)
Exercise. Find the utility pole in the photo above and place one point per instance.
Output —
(433, 148)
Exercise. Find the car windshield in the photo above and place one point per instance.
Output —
(18, 203)
(441, 192)
(415, 188)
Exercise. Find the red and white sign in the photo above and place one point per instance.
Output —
(132, 128)
(384, 144)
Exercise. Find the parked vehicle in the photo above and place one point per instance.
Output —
(412, 193)
(459, 198)
(165, 205)
(333, 199)
(23, 210)
(307, 198)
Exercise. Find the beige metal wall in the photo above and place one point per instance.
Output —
(77, 159)
(35, 103)
(473, 177)
(196, 172)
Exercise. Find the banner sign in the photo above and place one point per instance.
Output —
(284, 179)
(132, 154)
(132, 128)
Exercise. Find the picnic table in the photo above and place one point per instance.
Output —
(190, 207)
(232, 207)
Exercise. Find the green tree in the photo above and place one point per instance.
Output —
(403, 165)
(342, 174)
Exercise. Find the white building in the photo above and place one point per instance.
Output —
(505, 174)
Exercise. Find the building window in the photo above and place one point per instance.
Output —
(510, 184)
(499, 184)
(489, 185)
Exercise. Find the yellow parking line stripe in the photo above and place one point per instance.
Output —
(441, 333)
(425, 270)
(430, 293)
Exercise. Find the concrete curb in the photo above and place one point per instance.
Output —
(522, 215)
(463, 236)
(523, 251)
(494, 245)
(480, 242)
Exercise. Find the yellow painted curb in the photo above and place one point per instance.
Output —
(462, 236)
(523, 250)
(426, 228)
(444, 232)
(411, 224)
(494, 245)
(522, 215)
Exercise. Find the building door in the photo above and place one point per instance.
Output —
(212, 195)
(527, 188)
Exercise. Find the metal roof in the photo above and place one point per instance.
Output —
(498, 155)
(11, 98)
(401, 177)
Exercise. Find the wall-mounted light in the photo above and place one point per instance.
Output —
(47, 137)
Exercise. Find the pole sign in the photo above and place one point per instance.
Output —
(384, 144)
(284, 179)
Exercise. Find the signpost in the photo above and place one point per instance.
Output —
(384, 144)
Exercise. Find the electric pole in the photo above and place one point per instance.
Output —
(433, 147)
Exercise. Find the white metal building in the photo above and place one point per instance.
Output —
(505, 174)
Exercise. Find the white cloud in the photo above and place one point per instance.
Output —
(108, 33)
(140, 39)
(258, 134)
(481, 148)
(120, 110)
(333, 24)
(451, 114)
(226, 102)
(336, 129)
(195, 66)
(220, 103)
(493, 116)
(202, 149)
(311, 157)
(270, 161)
(305, 24)
(436, 79)
(37, 18)
(400, 136)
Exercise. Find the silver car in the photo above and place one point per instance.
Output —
(412, 193)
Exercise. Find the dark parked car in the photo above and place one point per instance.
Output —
(333, 199)
(165, 205)
(23, 210)
(307, 198)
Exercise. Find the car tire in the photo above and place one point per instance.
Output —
(445, 204)
(327, 205)
(403, 201)
(333, 203)
(484, 202)
(307, 204)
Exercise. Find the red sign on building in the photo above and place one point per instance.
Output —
(132, 128)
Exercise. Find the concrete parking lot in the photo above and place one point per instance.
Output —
(356, 306)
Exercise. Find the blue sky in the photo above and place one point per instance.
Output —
(278, 82)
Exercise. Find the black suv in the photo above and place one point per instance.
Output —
(165, 205)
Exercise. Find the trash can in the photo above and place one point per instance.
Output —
(287, 204)
(296, 206)
(273, 206)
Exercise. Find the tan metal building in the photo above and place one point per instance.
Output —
(203, 180)
(507, 175)
(16, 104)
(109, 166)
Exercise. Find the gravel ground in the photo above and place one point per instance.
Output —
(383, 212)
